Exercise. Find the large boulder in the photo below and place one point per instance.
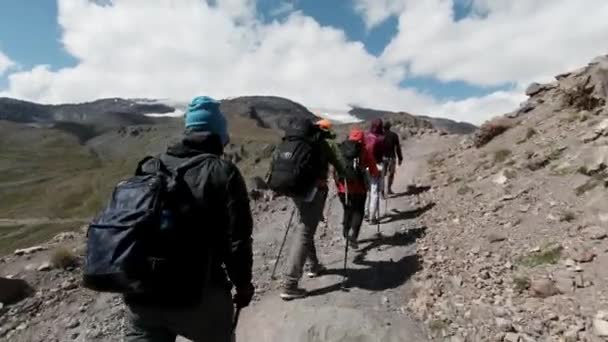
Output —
(14, 290)
(489, 130)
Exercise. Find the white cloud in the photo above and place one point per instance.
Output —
(478, 109)
(180, 49)
(508, 41)
(5, 63)
(282, 9)
(375, 12)
(196, 48)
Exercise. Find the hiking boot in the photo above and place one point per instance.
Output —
(390, 192)
(352, 242)
(316, 271)
(292, 292)
(374, 221)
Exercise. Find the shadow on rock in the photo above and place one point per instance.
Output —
(406, 215)
(412, 190)
(379, 275)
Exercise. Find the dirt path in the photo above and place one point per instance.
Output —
(373, 308)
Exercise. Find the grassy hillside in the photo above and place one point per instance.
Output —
(47, 174)
(50, 176)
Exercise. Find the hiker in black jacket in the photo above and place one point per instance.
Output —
(392, 149)
(226, 227)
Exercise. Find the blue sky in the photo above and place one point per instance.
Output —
(30, 34)
(462, 59)
(37, 40)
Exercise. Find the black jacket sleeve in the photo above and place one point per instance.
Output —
(239, 260)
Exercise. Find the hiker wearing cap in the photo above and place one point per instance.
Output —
(299, 170)
(375, 145)
(217, 256)
(392, 150)
(353, 192)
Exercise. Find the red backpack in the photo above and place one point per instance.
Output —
(375, 145)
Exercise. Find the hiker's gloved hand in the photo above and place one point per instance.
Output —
(400, 161)
(243, 295)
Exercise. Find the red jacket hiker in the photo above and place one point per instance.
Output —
(374, 140)
(367, 161)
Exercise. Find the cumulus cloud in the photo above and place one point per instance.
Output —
(501, 42)
(5, 63)
(282, 9)
(180, 49)
(201, 48)
(374, 12)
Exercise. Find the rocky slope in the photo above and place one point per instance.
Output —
(419, 121)
(516, 248)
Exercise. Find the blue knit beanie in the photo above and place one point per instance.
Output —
(204, 115)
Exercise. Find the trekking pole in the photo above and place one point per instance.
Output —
(235, 322)
(378, 210)
(385, 205)
(276, 263)
(344, 279)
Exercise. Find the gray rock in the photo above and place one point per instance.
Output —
(595, 233)
(600, 324)
(595, 159)
(525, 107)
(68, 285)
(512, 337)
(582, 255)
(30, 250)
(571, 336)
(543, 288)
(500, 312)
(602, 127)
(534, 89)
(495, 237)
(581, 283)
(72, 323)
(61, 237)
(504, 324)
(46, 266)
(590, 137)
(564, 282)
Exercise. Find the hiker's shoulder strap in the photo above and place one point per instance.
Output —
(185, 166)
(150, 165)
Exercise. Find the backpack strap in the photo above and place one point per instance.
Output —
(181, 169)
(150, 165)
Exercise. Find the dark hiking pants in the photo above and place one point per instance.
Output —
(353, 214)
(303, 245)
(211, 321)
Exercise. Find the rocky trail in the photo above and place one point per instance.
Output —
(371, 309)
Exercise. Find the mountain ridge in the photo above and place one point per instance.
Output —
(270, 112)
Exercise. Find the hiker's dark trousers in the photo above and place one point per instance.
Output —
(391, 168)
(353, 214)
(211, 321)
(303, 245)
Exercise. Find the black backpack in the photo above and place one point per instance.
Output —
(141, 242)
(351, 151)
(296, 161)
